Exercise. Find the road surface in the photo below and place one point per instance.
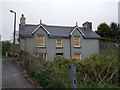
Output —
(12, 77)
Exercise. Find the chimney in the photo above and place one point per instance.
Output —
(22, 20)
(87, 25)
(40, 21)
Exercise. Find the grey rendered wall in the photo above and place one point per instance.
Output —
(66, 48)
(26, 44)
(30, 45)
(22, 44)
(91, 46)
(52, 50)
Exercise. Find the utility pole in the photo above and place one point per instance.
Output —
(73, 75)
(14, 33)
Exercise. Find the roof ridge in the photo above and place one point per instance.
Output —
(50, 25)
(59, 26)
(81, 27)
(32, 24)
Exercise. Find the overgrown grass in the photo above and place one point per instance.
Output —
(0, 56)
(99, 71)
(105, 86)
(54, 74)
(6, 57)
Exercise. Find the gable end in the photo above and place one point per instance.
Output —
(43, 29)
(78, 30)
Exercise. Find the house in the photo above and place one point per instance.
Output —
(58, 41)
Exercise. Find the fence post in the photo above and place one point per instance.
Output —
(73, 75)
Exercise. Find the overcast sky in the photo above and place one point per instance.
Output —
(57, 12)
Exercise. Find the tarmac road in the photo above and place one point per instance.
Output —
(12, 77)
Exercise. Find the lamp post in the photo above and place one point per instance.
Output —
(14, 33)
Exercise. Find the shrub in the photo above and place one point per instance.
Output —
(96, 71)
(54, 74)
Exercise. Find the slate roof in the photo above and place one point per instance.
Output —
(27, 29)
(58, 30)
(89, 33)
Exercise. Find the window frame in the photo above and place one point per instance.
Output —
(74, 41)
(44, 56)
(57, 43)
(59, 55)
(43, 41)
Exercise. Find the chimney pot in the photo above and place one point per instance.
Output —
(40, 21)
(76, 24)
(22, 20)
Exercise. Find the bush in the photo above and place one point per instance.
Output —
(5, 47)
(54, 74)
(96, 71)
(26, 59)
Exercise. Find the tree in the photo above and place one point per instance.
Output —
(118, 33)
(114, 32)
(16, 37)
(5, 47)
(104, 31)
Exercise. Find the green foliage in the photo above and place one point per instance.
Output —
(5, 47)
(108, 33)
(6, 57)
(96, 88)
(99, 70)
(104, 30)
(53, 74)
(25, 59)
(25, 56)
(114, 28)
(115, 34)
(96, 71)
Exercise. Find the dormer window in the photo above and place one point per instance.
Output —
(58, 43)
(41, 41)
(76, 41)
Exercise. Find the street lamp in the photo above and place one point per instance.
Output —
(14, 33)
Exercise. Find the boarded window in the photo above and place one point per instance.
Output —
(58, 43)
(77, 56)
(76, 41)
(41, 41)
